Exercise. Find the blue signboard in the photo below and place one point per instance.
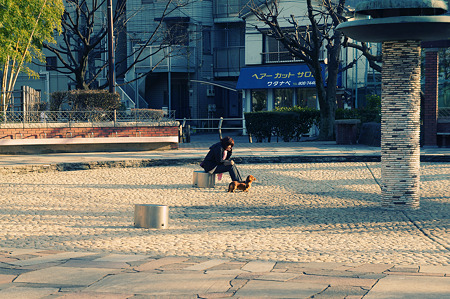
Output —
(284, 76)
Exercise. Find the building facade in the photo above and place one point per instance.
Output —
(196, 75)
(206, 60)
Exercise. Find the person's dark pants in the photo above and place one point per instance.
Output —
(231, 169)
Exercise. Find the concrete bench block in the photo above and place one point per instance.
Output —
(151, 216)
(203, 179)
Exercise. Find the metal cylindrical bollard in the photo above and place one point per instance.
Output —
(151, 216)
(203, 179)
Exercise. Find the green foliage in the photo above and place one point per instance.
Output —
(370, 113)
(82, 100)
(259, 124)
(144, 114)
(347, 114)
(24, 26)
(287, 123)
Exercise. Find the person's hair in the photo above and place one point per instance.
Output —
(226, 141)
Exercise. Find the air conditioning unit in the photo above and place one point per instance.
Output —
(210, 92)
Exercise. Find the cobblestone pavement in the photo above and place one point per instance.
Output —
(305, 212)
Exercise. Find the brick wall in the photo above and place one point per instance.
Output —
(34, 131)
(400, 125)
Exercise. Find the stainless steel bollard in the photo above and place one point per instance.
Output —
(203, 179)
(151, 216)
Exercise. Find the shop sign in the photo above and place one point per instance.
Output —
(286, 76)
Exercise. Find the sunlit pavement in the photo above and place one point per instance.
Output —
(305, 230)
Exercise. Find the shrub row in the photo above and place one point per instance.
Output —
(286, 123)
(81, 100)
(364, 115)
(370, 113)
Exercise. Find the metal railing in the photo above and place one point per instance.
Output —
(444, 112)
(135, 115)
(285, 56)
(188, 125)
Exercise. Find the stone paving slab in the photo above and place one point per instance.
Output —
(121, 258)
(81, 278)
(49, 258)
(336, 280)
(163, 284)
(275, 289)
(155, 264)
(274, 276)
(27, 292)
(259, 266)
(435, 269)
(411, 287)
(5, 278)
(206, 265)
(78, 263)
(90, 295)
(67, 276)
(373, 268)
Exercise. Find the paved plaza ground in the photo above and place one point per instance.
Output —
(306, 212)
(305, 230)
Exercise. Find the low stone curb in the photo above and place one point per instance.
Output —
(184, 161)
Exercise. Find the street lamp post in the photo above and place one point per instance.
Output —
(111, 77)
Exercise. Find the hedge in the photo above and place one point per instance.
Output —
(285, 123)
(81, 100)
(370, 113)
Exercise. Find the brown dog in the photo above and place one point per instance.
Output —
(244, 186)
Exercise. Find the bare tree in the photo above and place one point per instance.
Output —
(306, 40)
(84, 35)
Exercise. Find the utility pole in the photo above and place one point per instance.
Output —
(112, 76)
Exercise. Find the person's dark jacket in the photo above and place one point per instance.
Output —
(215, 158)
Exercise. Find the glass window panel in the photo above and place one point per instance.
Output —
(306, 97)
(259, 100)
(283, 97)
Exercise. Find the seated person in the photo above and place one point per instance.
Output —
(218, 159)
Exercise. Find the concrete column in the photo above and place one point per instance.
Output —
(270, 99)
(430, 104)
(400, 125)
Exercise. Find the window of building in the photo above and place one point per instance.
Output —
(206, 36)
(50, 63)
(306, 97)
(259, 100)
(177, 33)
(275, 51)
(229, 35)
(283, 97)
(228, 8)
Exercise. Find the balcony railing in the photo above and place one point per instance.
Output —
(284, 57)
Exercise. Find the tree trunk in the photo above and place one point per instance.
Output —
(326, 113)
(328, 110)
